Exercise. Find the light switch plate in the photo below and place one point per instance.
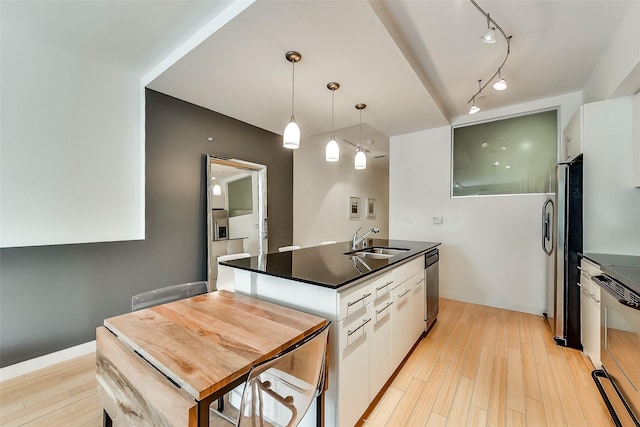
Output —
(437, 220)
(407, 219)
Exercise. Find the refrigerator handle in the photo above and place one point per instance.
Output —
(546, 228)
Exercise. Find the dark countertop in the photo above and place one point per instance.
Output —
(327, 265)
(624, 268)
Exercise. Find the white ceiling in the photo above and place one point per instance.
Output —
(414, 63)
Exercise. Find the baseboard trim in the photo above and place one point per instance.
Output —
(47, 360)
(492, 302)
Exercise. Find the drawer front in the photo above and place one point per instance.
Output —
(382, 307)
(353, 328)
(405, 271)
(352, 300)
(382, 285)
(589, 268)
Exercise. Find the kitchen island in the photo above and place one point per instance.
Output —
(375, 299)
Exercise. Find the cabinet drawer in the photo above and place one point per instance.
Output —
(382, 307)
(405, 271)
(353, 328)
(354, 299)
(382, 285)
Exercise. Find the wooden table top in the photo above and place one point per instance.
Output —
(206, 342)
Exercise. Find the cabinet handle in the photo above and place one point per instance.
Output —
(349, 304)
(364, 322)
(390, 282)
(593, 297)
(420, 281)
(404, 293)
(384, 308)
(382, 287)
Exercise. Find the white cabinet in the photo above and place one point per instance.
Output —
(418, 302)
(403, 334)
(590, 312)
(572, 136)
(380, 368)
(353, 380)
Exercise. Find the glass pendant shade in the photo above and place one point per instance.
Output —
(474, 109)
(332, 152)
(217, 190)
(361, 160)
(500, 84)
(291, 136)
(489, 36)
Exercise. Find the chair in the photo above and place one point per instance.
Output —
(167, 294)
(226, 279)
(328, 242)
(279, 391)
(288, 248)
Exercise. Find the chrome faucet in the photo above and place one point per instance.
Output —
(355, 241)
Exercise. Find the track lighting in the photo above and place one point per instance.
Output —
(490, 37)
(332, 151)
(291, 135)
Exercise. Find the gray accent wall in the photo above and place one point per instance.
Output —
(53, 297)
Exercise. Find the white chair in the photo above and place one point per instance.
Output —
(226, 279)
(167, 294)
(328, 242)
(288, 248)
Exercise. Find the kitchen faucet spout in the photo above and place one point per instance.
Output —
(355, 241)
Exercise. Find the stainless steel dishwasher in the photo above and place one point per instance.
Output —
(433, 288)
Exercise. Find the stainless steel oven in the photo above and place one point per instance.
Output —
(620, 348)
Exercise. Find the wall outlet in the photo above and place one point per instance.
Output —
(407, 219)
(437, 220)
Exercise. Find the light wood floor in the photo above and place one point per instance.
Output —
(479, 366)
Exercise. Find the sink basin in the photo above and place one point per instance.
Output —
(378, 252)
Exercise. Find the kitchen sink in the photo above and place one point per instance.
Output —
(378, 252)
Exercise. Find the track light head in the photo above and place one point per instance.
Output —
(489, 36)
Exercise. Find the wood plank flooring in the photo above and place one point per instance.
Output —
(479, 366)
(483, 366)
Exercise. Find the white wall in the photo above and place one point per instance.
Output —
(72, 157)
(491, 252)
(618, 71)
(321, 192)
(611, 200)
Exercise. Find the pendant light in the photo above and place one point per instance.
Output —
(500, 84)
(332, 152)
(291, 135)
(217, 190)
(361, 158)
(490, 35)
(474, 108)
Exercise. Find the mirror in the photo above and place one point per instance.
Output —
(236, 210)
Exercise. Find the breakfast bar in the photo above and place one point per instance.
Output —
(165, 365)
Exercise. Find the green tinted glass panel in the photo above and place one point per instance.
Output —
(509, 156)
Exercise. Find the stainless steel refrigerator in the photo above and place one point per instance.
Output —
(562, 242)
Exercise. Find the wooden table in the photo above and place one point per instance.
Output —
(165, 365)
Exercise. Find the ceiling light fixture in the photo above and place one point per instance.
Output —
(291, 136)
(474, 108)
(217, 190)
(500, 84)
(360, 161)
(489, 37)
(332, 152)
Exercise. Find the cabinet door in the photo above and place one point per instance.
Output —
(380, 358)
(402, 336)
(353, 376)
(418, 302)
(590, 313)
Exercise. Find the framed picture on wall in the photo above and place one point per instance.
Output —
(354, 207)
(371, 208)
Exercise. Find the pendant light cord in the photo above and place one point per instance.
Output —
(333, 93)
(293, 88)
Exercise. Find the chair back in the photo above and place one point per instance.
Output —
(288, 248)
(279, 392)
(226, 279)
(167, 294)
(328, 242)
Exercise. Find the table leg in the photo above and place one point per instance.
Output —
(106, 419)
(320, 410)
